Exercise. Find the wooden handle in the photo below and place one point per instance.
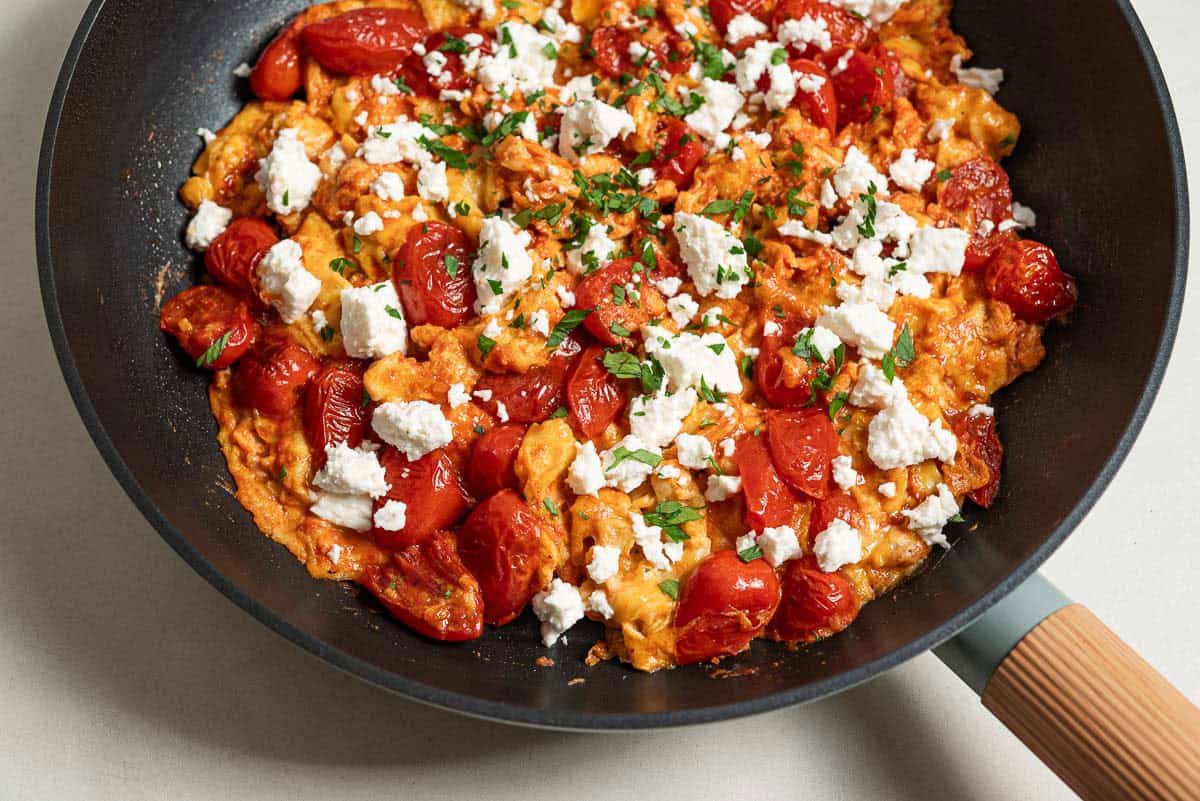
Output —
(1096, 713)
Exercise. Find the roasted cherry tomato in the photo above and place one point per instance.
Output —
(213, 325)
(783, 380)
(1025, 275)
(820, 107)
(678, 152)
(427, 588)
(433, 275)
(769, 502)
(367, 41)
(500, 543)
(977, 192)
(616, 316)
(979, 445)
(722, 11)
(845, 29)
(532, 396)
(494, 460)
(803, 444)
(233, 257)
(723, 604)
(272, 377)
(450, 43)
(430, 488)
(813, 603)
(835, 507)
(612, 50)
(277, 75)
(864, 89)
(334, 411)
(593, 394)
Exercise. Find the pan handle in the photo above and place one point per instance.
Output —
(1094, 711)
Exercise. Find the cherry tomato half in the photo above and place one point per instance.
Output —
(500, 543)
(427, 588)
(453, 76)
(593, 394)
(835, 507)
(978, 191)
(783, 380)
(803, 444)
(334, 411)
(769, 502)
(723, 604)
(865, 88)
(433, 275)
(723, 11)
(532, 396)
(678, 152)
(1025, 275)
(233, 257)
(820, 107)
(616, 315)
(612, 50)
(429, 487)
(494, 460)
(813, 603)
(845, 30)
(200, 317)
(979, 443)
(367, 41)
(277, 75)
(272, 377)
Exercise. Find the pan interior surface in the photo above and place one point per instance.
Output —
(1099, 160)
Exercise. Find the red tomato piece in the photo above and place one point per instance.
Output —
(803, 444)
(334, 411)
(977, 438)
(813, 603)
(978, 190)
(367, 41)
(494, 460)
(819, 107)
(769, 374)
(678, 152)
(593, 394)
(864, 89)
(769, 502)
(200, 316)
(615, 316)
(451, 45)
(427, 290)
(845, 29)
(532, 396)
(723, 605)
(612, 50)
(233, 257)
(672, 56)
(722, 11)
(1025, 275)
(500, 543)
(272, 377)
(835, 507)
(427, 588)
(430, 488)
(277, 75)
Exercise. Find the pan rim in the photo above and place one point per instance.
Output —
(580, 721)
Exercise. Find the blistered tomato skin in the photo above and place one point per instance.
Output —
(494, 460)
(864, 89)
(272, 377)
(368, 41)
(201, 316)
(233, 257)
(820, 107)
(813, 603)
(500, 543)
(278, 73)
(433, 275)
(769, 501)
(532, 396)
(803, 444)
(769, 375)
(453, 76)
(845, 30)
(839, 506)
(1025, 275)
(594, 397)
(427, 588)
(615, 316)
(723, 604)
(722, 11)
(977, 438)
(334, 412)
(679, 152)
(979, 195)
(431, 490)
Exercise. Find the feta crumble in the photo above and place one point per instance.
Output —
(559, 608)
(502, 264)
(715, 258)
(413, 427)
(929, 517)
(372, 324)
(603, 563)
(286, 175)
(392, 516)
(900, 436)
(209, 222)
(285, 282)
(837, 546)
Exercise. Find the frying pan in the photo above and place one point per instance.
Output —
(1100, 160)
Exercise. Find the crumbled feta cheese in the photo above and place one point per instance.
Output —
(888, 489)
(457, 396)
(981, 409)
(286, 175)
(909, 171)
(209, 222)
(518, 61)
(351, 511)
(824, 341)
(929, 517)
(597, 243)
(646, 177)
(598, 602)
(722, 101)
(856, 175)
(797, 229)
(808, 30)
(715, 258)
(559, 608)
(938, 250)
(319, 321)
(829, 196)
(207, 135)
(603, 563)
(940, 130)
(844, 474)
(389, 186)
(669, 286)
(290, 288)
(395, 142)
(588, 126)
(501, 265)
(900, 436)
(368, 224)
(578, 89)
(682, 309)
(419, 214)
(779, 544)
(486, 8)
(987, 80)
(372, 324)
(668, 471)
(392, 516)
(808, 83)
(629, 473)
(243, 70)
(539, 322)
(721, 487)
(413, 427)
(658, 419)
(432, 184)
(688, 359)
(435, 65)
(1022, 217)
(565, 296)
(586, 474)
(837, 546)
(501, 412)
(872, 390)
(743, 26)
(694, 451)
(758, 60)
(649, 539)
(862, 325)
(874, 12)
(563, 31)
(351, 471)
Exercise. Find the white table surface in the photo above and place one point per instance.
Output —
(125, 676)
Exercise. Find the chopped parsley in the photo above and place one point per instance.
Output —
(569, 322)
(670, 588)
(214, 350)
